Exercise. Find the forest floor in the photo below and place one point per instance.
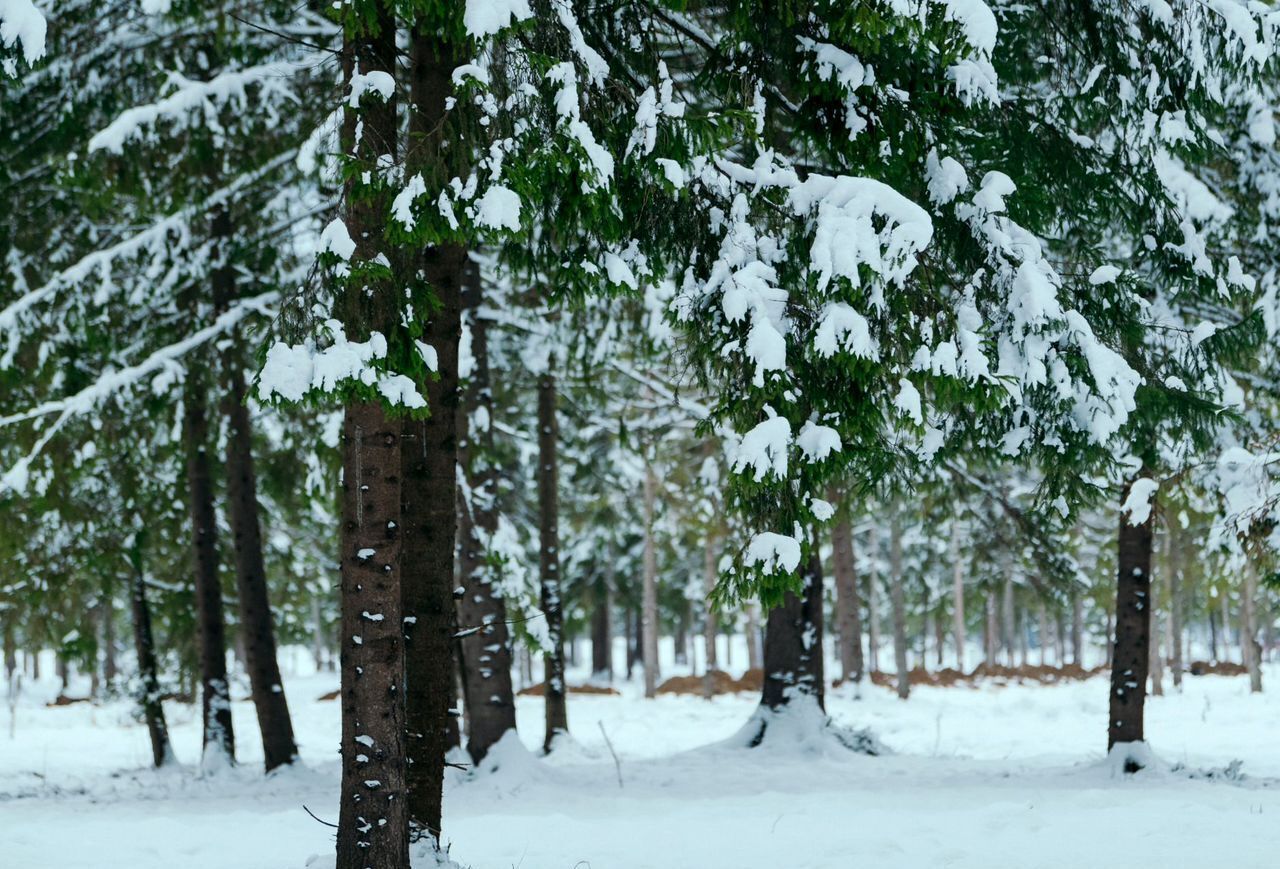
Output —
(989, 777)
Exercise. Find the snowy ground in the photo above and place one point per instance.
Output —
(991, 777)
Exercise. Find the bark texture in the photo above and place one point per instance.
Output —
(793, 668)
(898, 602)
(649, 604)
(1249, 627)
(218, 736)
(602, 629)
(373, 820)
(957, 599)
(710, 621)
(873, 602)
(372, 645)
(557, 714)
(148, 675)
(1132, 632)
(848, 601)
(257, 626)
(485, 646)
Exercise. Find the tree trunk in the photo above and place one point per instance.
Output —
(1043, 639)
(755, 644)
(486, 642)
(682, 636)
(317, 632)
(629, 640)
(873, 600)
(372, 647)
(10, 651)
(1225, 600)
(602, 631)
(1059, 639)
(793, 668)
(257, 633)
(557, 716)
(373, 818)
(1173, 559)
(649, 618)
(848, 603)
(1156, 663)
(957, 598)
(710, 624)
(1249, 627)
(989, 643)
(1077, 629)
(1008, 626)
(256, 625)
(1133, 631)
(144, 645)
(429, 462)
(110, 669)
(1213, 633)
(1109, 627)
(218, 736)
(898, 602)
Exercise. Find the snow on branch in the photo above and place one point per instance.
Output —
(112, 382)
(192, 97)
(21, 21)
(156, 237)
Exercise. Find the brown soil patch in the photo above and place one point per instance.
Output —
(332, 695)
(1216, 668)
(540, 690)
(948, 677)
(722, 683)
(64, 700)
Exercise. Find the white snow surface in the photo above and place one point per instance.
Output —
(984, 778)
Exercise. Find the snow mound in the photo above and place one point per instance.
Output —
(802, 728)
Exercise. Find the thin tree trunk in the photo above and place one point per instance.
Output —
(1174, 560)
(557, 716)
(110, 669)
(755, 643)
(1156, 663)
(256, 624)
(793, 665)
(848, 602)
(1249, 627)
(957, 598)
(710, 624)
(1109, 628)
(682, 633)
(873, 601)
(1059, 639)
(373, 818)
(144, 645)
(218, 736)
(1077, 629)
(317, 632)
(897, 601)
(1022, 629)
(939, 633)
(257, 633)
(1133, 632)
(602, 630)
(1213, 633)
(989, 630)
(10, 651)
(649, 617)
(1043, 640)
(1008, 620)
(628, 637)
